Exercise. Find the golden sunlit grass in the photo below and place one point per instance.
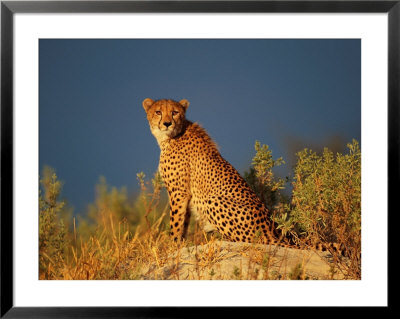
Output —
(149, 253)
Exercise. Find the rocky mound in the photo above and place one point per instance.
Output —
(229, 260)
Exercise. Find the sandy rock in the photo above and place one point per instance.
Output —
(229, 260)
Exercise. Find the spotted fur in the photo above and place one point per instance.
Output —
(200, 181)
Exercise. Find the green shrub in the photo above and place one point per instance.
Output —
(325, 204)
(52, 230)
(261, 178)
(327, 192)
(326, 200)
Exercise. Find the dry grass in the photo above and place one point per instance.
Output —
(114, 253)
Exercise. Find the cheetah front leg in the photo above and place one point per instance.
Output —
(179, 214)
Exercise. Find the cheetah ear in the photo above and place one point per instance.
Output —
(147, 103)
(185, 103)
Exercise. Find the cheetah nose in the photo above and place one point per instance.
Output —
(167, 124)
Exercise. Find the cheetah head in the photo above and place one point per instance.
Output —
(166, 117)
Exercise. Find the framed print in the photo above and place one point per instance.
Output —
(160, 155)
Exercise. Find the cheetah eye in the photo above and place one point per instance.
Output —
(158, 112)
(174, 113)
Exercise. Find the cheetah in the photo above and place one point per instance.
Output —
(201, 182)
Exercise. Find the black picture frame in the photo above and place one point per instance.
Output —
(9, 8)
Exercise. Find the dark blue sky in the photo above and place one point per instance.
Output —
(288, 94)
